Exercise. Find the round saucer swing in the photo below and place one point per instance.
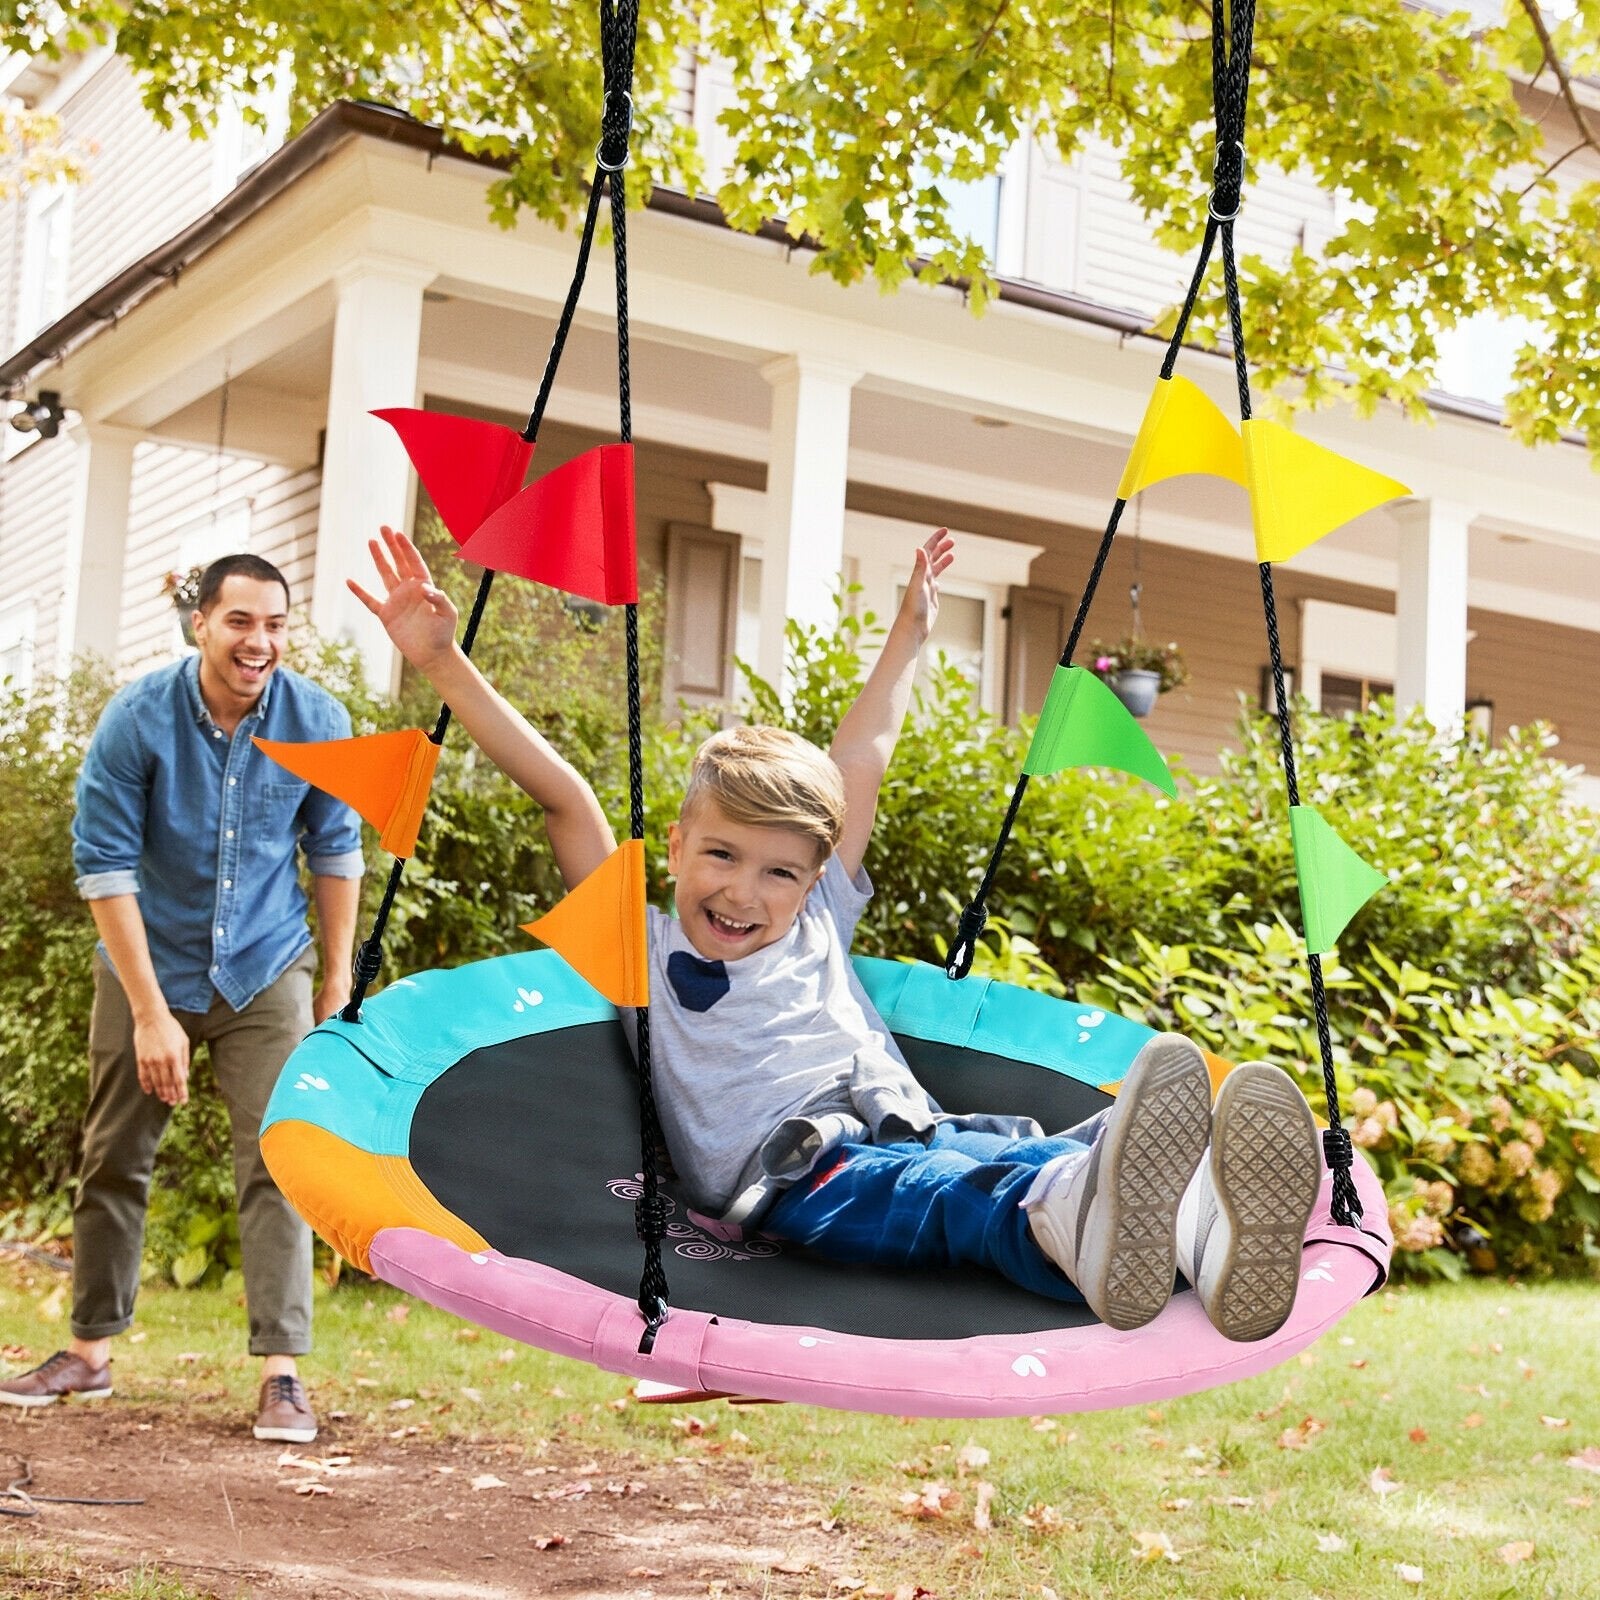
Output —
(482, 1137)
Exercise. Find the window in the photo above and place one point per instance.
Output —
(42, 296)
(16, 647)
(239, 144)
(963, 631)
(1476, 358)
(1347, 697)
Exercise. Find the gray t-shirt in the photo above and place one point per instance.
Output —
(762, 1065)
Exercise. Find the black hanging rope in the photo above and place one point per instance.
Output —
(618, 32)
(369, 954)
(1230, 76)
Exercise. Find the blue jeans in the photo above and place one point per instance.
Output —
(956, 1199)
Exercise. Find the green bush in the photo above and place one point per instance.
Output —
(1465, 1008)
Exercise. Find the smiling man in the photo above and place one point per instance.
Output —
(186, 843)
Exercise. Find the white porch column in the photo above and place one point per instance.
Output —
(97, 540)
(366, 476)
(806, 473)
(1431, 609)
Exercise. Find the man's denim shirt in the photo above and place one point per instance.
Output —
(204, 829)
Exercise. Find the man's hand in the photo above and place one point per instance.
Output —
(162, 1048)
(330, 998)
(419, 618)
(920, 606)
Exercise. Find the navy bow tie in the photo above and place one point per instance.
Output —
(698, 984)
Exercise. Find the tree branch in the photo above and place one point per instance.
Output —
(1563, 77)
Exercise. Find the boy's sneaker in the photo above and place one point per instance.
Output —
(1107, 1217)
(1243, 1219)
(52, 1380)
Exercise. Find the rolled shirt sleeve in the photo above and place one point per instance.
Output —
(112, 789)
(331, 837)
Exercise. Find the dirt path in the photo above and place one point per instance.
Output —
(403, 1518)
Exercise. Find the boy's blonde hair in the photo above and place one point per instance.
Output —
(770, 778)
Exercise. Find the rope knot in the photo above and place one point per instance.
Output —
(369, 961)
(650, 1213)
(616, 124)
(970, 929)
(1337, 1150)
(1227, 182)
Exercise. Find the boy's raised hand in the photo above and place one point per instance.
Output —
(419, 618)
(921, 603)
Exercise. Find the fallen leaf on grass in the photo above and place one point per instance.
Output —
(935, 1500)
(189, 1357)
(311, 1486)
(472, 1394)
(981, 1519)
(971, 1458)
(849, 1585)
(487, 1480)
(547, 1541)
(1149, 1546)
(1381, 1483)
(1330, 1544)
(644, 1572)
(1182, 1503)
(693, 1426)
(1299, 1436)
(401, 1405)
(793, 1565)
(1554, 1422)
(1042, 1518)
(1517, 1550)
(1473, 1419)
(1418, 1436)
(399, 1313)
(1587, 1459)
(569, 1491)
(407, 1432)
(1407, 1573)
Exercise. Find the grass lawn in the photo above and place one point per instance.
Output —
(1441, 1442)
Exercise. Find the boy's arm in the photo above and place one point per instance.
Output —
(867, 736)
(422, 622)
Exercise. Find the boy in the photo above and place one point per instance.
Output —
(785, 1102)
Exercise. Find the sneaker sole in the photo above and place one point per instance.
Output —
(1266, 1168)
(31, 1402)
(284, 1435)
(1130, 1253)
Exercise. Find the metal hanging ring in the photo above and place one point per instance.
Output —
(1211, 204)
(627, 128)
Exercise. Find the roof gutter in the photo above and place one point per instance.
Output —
(349, 119)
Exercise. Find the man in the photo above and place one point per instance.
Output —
(185, 843)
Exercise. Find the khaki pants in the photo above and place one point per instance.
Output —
(123, 1127)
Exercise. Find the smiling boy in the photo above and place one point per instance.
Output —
(785, 1101)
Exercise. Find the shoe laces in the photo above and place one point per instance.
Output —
(286, 1387)
(58, 1359)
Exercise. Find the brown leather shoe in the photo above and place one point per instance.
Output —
(52, 1380)
(285, 1413)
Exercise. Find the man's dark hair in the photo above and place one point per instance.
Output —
(240, 566)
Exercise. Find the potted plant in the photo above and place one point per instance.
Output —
(1137, 670)
(182, 587)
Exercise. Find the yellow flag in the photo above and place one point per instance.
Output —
(1300, 491)
(1183, 431)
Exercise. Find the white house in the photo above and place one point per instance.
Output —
(213, 322)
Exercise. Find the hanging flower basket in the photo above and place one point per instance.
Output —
(1137, 671)
(182, 588)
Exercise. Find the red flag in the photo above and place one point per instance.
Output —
(469, 468)
(572, 529)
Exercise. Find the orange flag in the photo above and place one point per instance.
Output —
(384, 776)
(598, 929)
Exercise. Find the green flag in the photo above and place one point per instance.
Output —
(1334, 881)
(1083, 724)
